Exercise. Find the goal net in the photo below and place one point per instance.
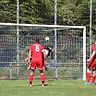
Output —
(68, 43)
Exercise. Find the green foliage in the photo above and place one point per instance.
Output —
(70, 12)
(7, 11)
(94, 16)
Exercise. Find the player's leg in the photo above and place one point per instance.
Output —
(93, 67)
(88, 75)
(42, 76)
(32, 68)
(93, 76)
(31, 77)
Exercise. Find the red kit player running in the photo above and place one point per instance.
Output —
(35, 58)
(91, 67)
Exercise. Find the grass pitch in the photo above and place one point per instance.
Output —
(52, 88)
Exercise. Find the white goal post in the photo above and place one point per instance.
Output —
(58, 26)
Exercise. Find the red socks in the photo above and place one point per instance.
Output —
(42, 77)
(88, 77)
(93, 79)
(30, 79)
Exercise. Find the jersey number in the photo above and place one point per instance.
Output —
(37, 48)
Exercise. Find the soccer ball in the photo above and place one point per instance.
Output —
(47, 38)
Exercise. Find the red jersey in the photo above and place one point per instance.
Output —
(92, 63)
(36, 50)
(36, 53)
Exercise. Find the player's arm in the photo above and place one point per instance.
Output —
(29, 59)
(91, 57)
(26, 60)
(29, 56)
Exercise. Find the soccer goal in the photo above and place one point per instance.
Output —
(68, 45)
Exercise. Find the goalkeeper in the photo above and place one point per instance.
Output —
(48, 52)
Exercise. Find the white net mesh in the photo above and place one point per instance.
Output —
(69, 50)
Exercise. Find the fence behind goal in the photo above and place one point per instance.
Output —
(67, 42)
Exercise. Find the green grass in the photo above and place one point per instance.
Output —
(52, 88)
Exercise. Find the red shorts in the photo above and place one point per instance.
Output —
(92, 65)
(37, 63)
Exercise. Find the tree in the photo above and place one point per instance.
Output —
(7, 12)
(67, 12)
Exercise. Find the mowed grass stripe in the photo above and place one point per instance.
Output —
(52, 88)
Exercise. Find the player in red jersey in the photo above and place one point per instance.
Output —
(36, 52)
(91, 67)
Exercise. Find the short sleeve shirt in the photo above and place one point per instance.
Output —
(36, 50)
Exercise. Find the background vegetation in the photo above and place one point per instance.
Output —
(70, 12)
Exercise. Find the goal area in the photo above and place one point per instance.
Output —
(68, 43)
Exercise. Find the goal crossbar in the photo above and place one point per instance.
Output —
(38, 25)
